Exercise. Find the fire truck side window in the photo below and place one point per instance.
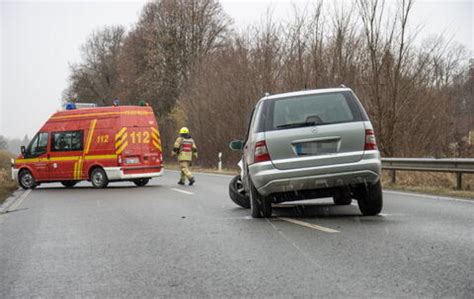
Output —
(38, 145)
(67, 141)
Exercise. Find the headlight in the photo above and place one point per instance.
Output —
(133, 160)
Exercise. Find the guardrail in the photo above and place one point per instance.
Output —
(457, 166)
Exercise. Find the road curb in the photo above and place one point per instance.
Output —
(10, 201)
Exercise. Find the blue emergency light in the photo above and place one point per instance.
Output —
(70, 106)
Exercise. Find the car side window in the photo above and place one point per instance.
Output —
(39, 145)
(67, 141)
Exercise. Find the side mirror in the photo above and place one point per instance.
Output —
(23, 150)
(236, 145)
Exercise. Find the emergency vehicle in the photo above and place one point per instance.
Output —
(99, 144)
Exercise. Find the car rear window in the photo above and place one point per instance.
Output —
(311, 110)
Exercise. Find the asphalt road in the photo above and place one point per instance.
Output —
(170, 240)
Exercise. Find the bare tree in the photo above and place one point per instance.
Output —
(96, 79)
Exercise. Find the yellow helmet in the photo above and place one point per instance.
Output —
(184, 130)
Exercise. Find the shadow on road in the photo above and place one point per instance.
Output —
(316, 210)
(110, 187)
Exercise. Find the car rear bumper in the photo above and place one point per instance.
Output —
(117, 174)
(268, 180)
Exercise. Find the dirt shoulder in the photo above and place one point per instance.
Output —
(7, 185)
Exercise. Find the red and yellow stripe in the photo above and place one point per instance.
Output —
(155, 138)
(121, 141)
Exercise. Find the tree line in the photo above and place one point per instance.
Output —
(13, 145)
(186, 59)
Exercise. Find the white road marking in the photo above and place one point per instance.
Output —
(237, 218)
(222, 175)
(17, 202)
(428, 196)
(182, 191)
(383, 214)
(309, 225)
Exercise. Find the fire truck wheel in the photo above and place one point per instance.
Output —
(99, 178)
(141, 182)
(68, 184)
(26, 179)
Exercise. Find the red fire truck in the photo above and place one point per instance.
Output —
(101, 145)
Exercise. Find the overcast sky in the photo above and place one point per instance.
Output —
(38, 41)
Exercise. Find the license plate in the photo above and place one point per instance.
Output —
(133, 160)
(316, 148)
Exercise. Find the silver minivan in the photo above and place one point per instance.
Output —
(308, 144)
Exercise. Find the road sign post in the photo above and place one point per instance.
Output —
(219, 164)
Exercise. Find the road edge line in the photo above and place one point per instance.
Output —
(9, 202)
(427, 196)
(207, 173)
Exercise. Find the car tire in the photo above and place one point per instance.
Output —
(237, 193)
(69, 184)
(141, 182)
(99, 178)
(27, 180)
(371, 199)
(260, 206)
(342, 197)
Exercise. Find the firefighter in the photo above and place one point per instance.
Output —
(186, 149)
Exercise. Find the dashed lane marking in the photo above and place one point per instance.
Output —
(309, 225)
(182, 191)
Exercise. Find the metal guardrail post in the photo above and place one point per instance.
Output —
(459, 181)
(393, 176)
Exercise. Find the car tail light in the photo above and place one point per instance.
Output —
(370, 143)
(261, 152)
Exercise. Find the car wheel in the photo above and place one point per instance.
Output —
(371, 199)
(69, 184)
(342, 197)
(141, 182)
(260, 206)
(237, 193)
(99, 178)
(26, 180)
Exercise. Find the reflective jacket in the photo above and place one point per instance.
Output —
(185, 148)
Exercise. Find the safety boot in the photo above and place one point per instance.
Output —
(191, 181)
(180, 182)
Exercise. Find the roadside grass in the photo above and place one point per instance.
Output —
(7, 185)
(435, 183)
